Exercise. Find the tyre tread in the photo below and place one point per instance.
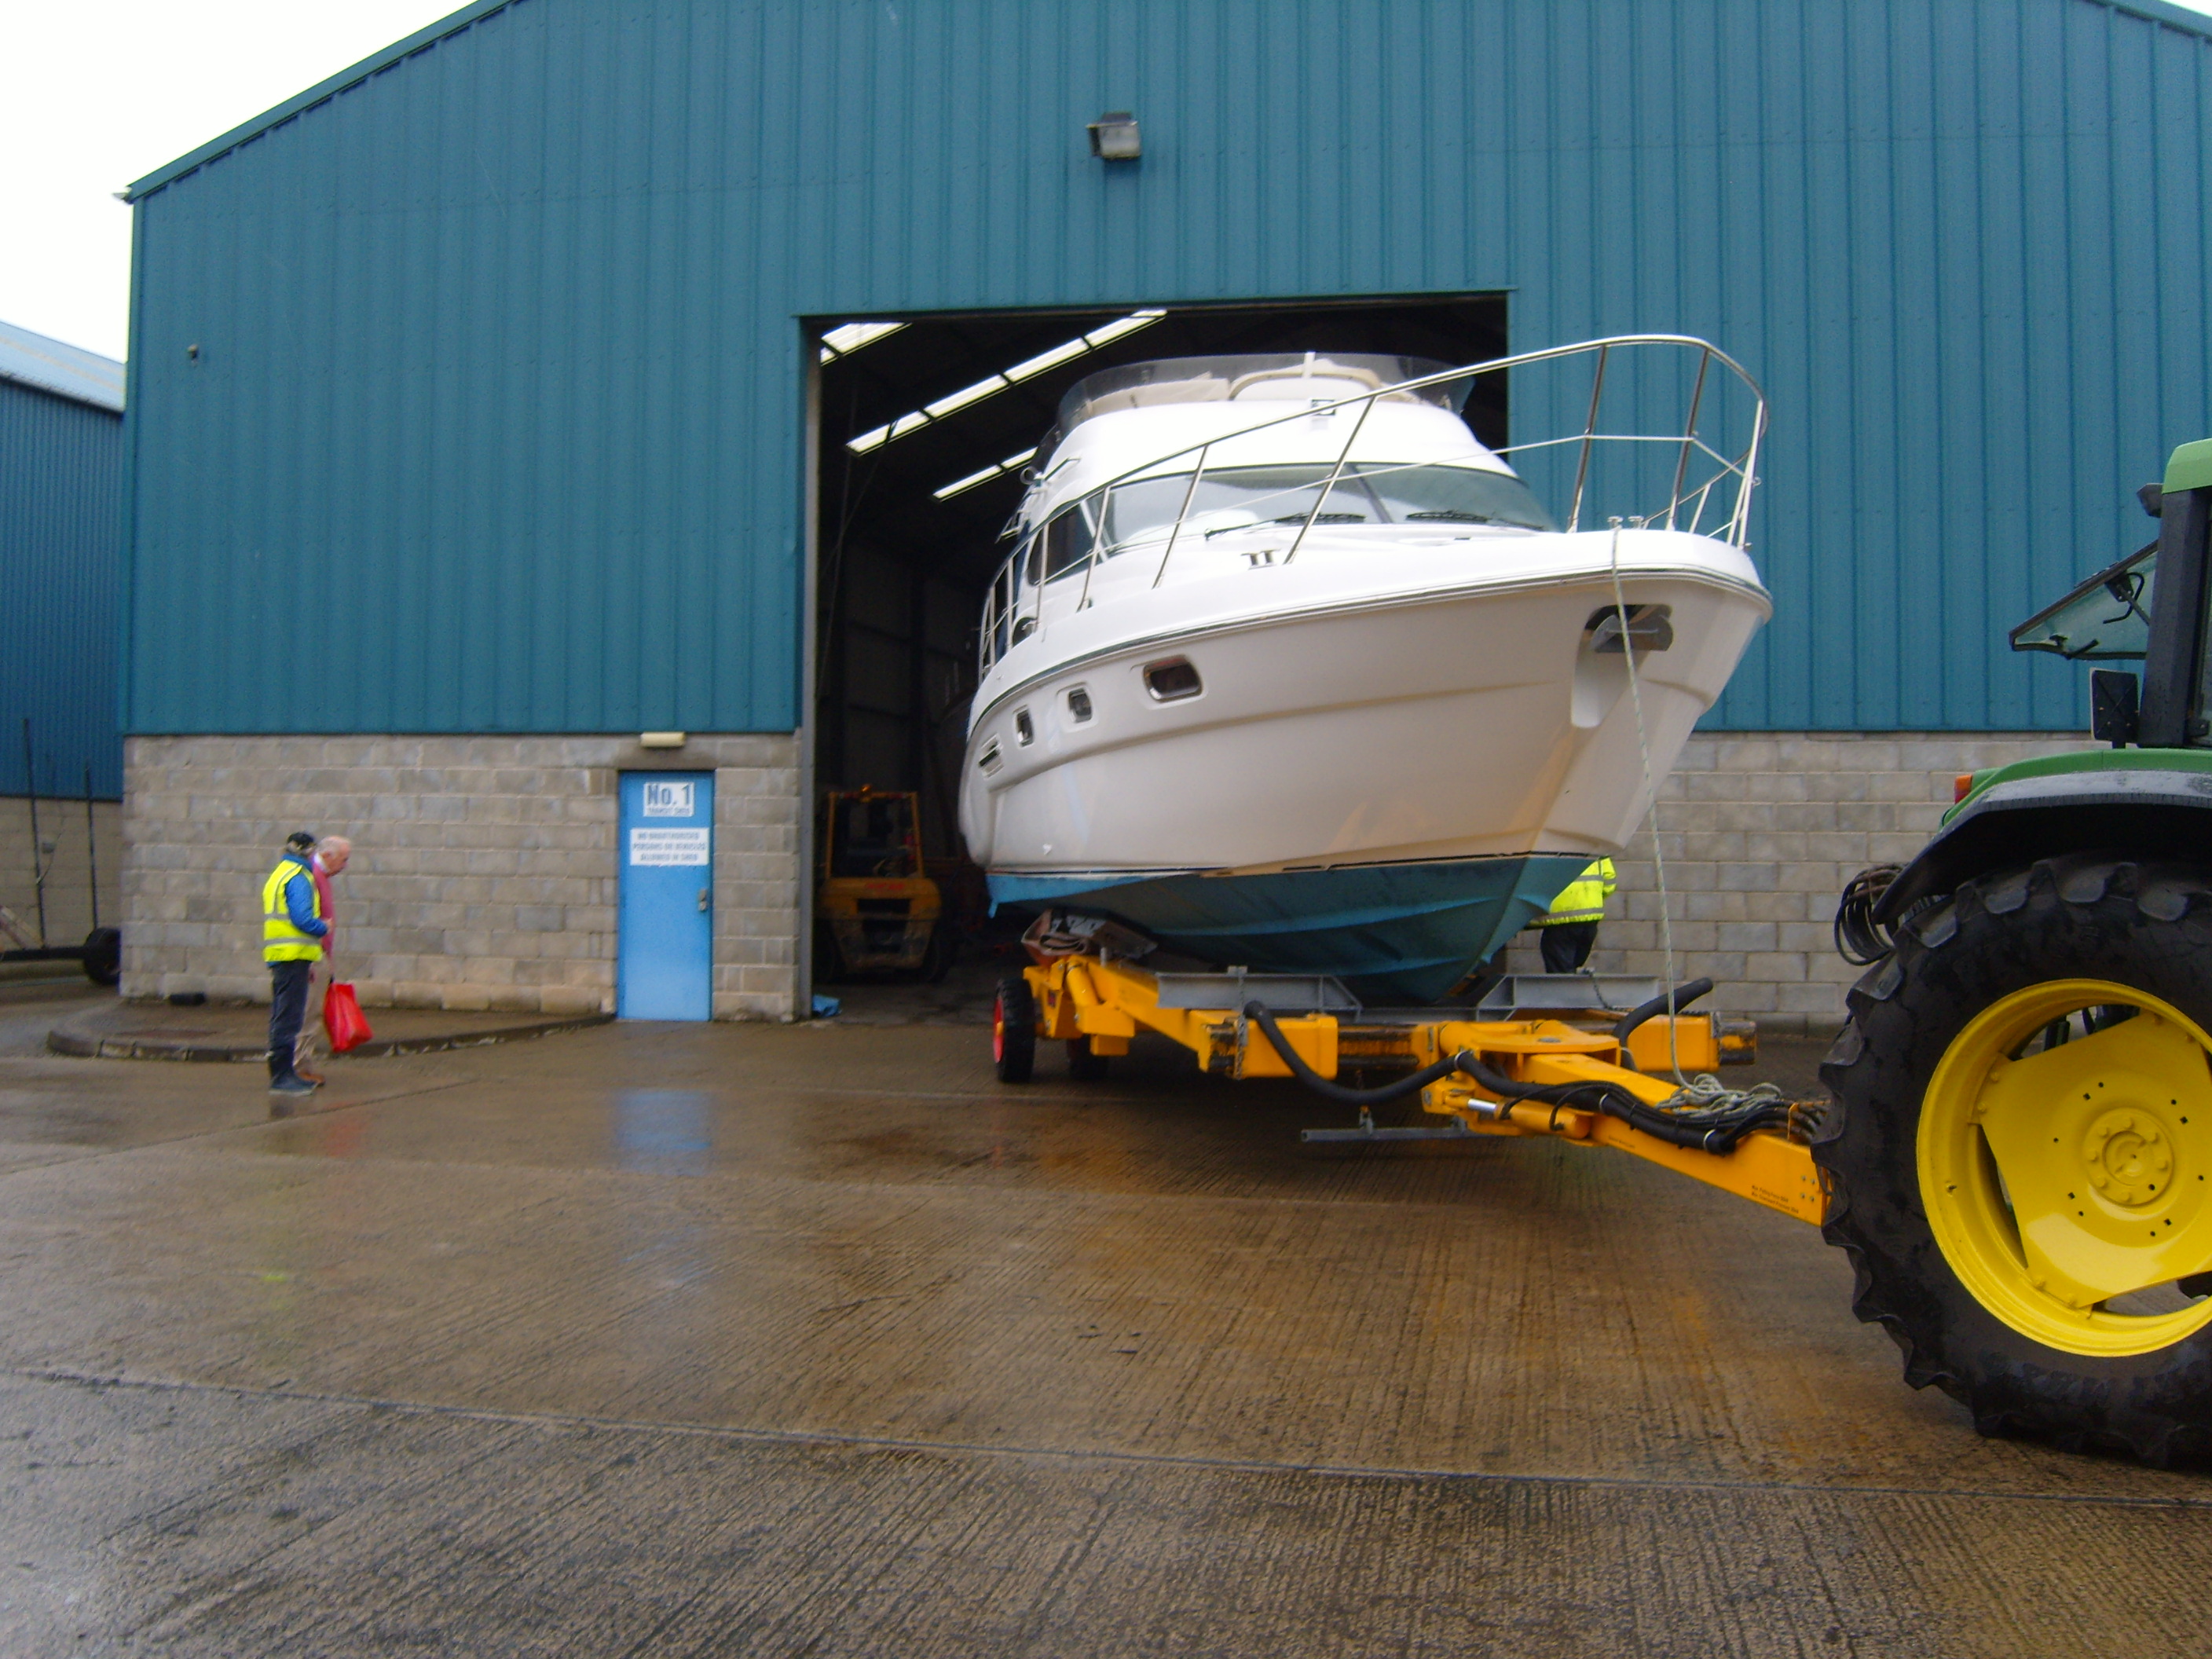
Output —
(2076, 1411)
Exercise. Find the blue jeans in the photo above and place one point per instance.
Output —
(288, 1012)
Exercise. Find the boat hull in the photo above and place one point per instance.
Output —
(1397, 933)
(1375, 779)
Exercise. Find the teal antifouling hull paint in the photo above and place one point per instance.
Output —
(1392, 933)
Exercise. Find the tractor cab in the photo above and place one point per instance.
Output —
(875, 909)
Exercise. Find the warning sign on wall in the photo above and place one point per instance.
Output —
(663, 846)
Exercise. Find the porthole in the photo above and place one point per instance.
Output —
(1024, 728)
(989, 760)
(1078, 705)
(1173, 680)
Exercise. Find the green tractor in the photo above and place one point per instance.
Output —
(2019, 1161)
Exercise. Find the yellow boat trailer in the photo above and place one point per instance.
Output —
(1097, 1004)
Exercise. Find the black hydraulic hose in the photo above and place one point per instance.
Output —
(1595, 1095)
(1615, 1102)
(1860, 939)
(1261, 1016)
(1672, 1001)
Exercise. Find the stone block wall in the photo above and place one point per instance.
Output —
(483, 873)
(1759, 832)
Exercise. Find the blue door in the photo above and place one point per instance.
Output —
(664, 953)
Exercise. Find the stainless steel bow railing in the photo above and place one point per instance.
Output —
(1687, 502)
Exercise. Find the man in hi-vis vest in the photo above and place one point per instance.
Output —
(293, 928)
(1569, 926)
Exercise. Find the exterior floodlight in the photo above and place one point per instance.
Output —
(1113, 136)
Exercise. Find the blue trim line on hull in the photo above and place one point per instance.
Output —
(1406, 933)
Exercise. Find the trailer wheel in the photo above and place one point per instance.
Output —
(937, 958)
(1013, 1030)
(2020, 1154)
(103, 955)
(1083, 1065)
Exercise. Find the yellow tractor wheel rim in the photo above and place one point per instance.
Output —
(2057, 1181)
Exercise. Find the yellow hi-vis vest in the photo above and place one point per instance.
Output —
(280, 940)
(1582, 899)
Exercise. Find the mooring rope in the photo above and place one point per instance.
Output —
(1651, 794)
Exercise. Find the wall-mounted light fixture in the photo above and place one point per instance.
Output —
(661, 739)
(1113, 136)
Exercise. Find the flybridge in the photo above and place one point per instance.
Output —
(1309, 377)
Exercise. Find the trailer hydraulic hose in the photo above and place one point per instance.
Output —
(1677, 1129)
(1715, 1128)
(1666, 1002)
(1261, 1016)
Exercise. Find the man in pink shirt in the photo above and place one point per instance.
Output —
(332, 852)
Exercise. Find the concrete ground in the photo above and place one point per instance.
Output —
(657, 1340)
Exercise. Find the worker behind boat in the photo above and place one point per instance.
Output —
(1567, 932)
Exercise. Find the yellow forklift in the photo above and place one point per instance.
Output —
(875, 910)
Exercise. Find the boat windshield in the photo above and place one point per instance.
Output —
(1241, 497)
(1234, 498)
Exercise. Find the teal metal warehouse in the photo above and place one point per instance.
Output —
(483, 420)
(61, 583)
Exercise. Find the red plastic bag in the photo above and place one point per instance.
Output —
(343, 1019)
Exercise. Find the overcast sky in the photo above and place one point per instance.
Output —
(102, 92)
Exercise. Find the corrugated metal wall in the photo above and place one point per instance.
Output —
(61, 582)
(495, 422)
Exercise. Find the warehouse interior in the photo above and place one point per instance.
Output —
(924, 426)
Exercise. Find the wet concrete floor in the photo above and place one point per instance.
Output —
(654, 1340)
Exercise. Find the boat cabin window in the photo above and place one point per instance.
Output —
(1067, 541)
(1233, 498)
(998, 616)
(1453, 495)
(1010, 613)
(1237, 498)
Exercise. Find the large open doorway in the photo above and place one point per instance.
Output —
(926, 423)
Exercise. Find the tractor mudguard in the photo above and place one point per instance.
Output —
(2135, 803)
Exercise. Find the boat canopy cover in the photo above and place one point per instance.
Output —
(1301, 376)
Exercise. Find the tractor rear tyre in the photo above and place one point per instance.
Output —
(2020, 1154)
(1083, 1065)
(1013, 1030)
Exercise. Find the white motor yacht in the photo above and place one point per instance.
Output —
(1287, 670)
